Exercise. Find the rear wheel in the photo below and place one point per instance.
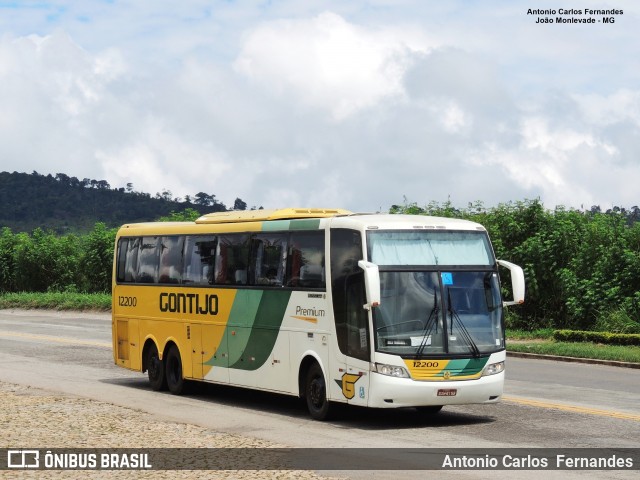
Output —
(155, 369)
(316, 393)
(173, 367)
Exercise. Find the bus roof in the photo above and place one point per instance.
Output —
(305, 219)
(386, 221)
(265, 215)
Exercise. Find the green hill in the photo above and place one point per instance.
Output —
(63, 203)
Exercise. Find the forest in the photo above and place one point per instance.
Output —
(62, 203)
(582, 267)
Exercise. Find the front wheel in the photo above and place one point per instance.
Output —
(173, 368)
(316, 393)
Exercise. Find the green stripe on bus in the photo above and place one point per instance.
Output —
(275, 226)
(253, 327)
(241, 320)
(244, 309)
(464, 367)
(263, 335)
(236, 333)
(296, 224)
(305, 224)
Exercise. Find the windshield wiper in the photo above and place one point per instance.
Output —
(465, 333)
(428, 326)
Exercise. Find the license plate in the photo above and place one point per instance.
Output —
(447, 392)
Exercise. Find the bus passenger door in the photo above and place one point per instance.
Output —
(352, 323)
(355, 384)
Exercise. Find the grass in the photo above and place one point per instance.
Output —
(578, 350)
(537, 341)
(540, 333)
(541, 342)
(57, 301)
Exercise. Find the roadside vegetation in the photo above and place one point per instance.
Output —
(582, 270)
(543, 342)
(539, 341)
(589, 350)
(97, 302)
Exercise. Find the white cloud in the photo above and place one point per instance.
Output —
(553, 162)
(158, 159)
(328, 62)
(283, 104)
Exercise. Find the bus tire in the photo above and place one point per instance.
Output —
(155, 369)
(173, 371)
(315, 393)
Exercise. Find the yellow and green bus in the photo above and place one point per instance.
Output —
(375, 310)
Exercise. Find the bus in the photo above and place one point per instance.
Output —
(373, 310)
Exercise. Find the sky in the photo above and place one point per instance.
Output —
(335, 104)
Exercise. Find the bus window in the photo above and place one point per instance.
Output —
(170, 259)
(122, 258)
(268, 258)
(306, 260)
(199, 253)
(131, 262)
(232, 259)
(148, 260)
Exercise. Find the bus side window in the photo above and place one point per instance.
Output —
(232, 260)
(170, 259)
(305, 267)
(199, 254)
(122, 259)
(131, 262)
(148, 260)
(268, 259)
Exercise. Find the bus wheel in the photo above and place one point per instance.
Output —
(173, 367)
(155, 369)
(429, 410)
(316, 393)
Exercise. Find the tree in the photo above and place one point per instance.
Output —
(204, 199)
(97, 258)
(62, 178)
(186, 215)
(7, 260)
(239, 205)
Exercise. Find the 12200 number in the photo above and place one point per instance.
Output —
(127, 301)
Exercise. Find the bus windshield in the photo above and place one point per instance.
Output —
(429, 248)
(415, 317)
(439, 294)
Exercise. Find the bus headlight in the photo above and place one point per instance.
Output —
(390, 370)
(493, 369)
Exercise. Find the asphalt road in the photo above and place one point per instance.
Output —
(546, 404)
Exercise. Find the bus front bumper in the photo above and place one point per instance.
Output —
(392, 392)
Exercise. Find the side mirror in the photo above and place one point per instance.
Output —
(371, 283)
(517, 282)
